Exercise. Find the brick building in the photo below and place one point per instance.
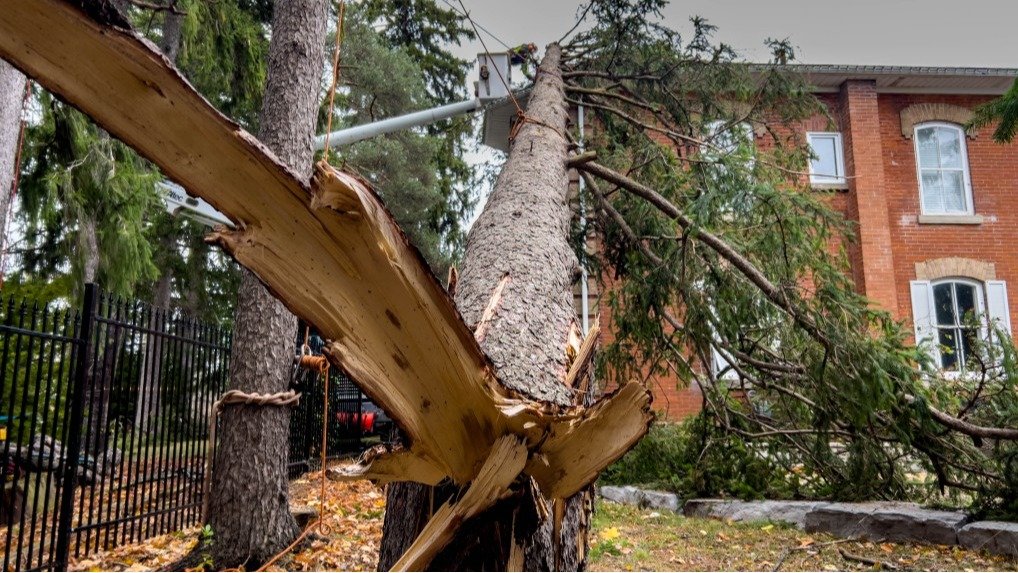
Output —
(935, 205)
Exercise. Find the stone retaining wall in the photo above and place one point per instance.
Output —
(877, 521)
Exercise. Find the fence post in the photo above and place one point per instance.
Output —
(72, 449)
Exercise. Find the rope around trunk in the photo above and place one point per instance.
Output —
(235, 398)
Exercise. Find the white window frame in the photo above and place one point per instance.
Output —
(969, 206)
(980, 308)
(837, 179)
(991, 303)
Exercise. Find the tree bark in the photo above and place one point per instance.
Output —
(12, 90)
(249, 509)
(172, 28)
(515, 290)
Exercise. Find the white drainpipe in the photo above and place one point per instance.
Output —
(584, 305)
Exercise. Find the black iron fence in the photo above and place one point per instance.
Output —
(104, 414)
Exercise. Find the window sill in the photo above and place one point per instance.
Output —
(829, 186)
(950, 219)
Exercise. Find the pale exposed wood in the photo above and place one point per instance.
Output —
(382, 466)
(576, 451)
(503, 465)
(490, 309)
(581, 362)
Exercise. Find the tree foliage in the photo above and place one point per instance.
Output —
(424, 31)
(715, 245)
(84, 198)
(401, 165)
(1003, 111)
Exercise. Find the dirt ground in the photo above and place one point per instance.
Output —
(624, 539)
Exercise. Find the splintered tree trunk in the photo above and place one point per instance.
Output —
(515, 290)
(249, 509)
(505, 425)
(12, 88)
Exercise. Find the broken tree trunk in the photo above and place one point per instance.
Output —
(515, 290)
(335, 257)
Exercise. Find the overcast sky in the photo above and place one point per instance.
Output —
(974, 33)
(980, 33)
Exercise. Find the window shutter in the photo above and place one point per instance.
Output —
(996, 304)
(922, 316)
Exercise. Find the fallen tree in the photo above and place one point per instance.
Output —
(388, 321)
(728, 270)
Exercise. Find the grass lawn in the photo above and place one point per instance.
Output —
(630, 539)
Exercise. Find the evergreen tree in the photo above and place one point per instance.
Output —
(424, 31)
(728, 270)
(85, 198)
(1003, 110)
(402, 165)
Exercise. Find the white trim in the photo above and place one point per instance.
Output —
(838, 177)
(967, 180)
(950, 219)
(930, 90)
(997, 307)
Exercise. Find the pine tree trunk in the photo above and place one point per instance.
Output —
(12, 89)
(520, 241)
(249, 510)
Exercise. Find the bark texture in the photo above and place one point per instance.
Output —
(515, 291)
(522, 234)
(12, 90)
(249, 505)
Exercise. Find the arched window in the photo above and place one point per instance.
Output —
(952, 314)
(944, 185)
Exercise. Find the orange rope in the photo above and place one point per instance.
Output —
(335, 78)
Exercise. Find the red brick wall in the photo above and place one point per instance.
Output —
(883, 197)
(994, 171)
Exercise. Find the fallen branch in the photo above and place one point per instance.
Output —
(584, 157)
(867, 561)
(717, 244)
(967, 428)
